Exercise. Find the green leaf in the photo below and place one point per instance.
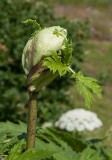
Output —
(88, 86)
(7, 144)
(34, 154)
(55, 64)
(68, 155)
(92, 154)
(16, 150)
(108, 153)
(67, 52)
(70, 141)
(12, 129)
(53, 140)
(58, 32)
(33, 22)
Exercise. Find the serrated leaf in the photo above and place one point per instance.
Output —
(92, 154)
(12, 129)
(88, 86)
(58, 32)
(34, 154)
(68, 155)
(54, 63)
(67, 52)
(68, 139)
(16, 150)
(33, 22)
(108, 153)
(7, 145)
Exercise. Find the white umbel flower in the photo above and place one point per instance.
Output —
(79, 120)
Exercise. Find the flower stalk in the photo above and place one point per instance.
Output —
(31, 123)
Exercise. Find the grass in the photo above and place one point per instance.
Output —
(98, 54)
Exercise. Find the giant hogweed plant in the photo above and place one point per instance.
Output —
(47, 55)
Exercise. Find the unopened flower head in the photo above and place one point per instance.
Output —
(41, 44)
(79, 120)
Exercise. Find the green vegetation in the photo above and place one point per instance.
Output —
(50, 145)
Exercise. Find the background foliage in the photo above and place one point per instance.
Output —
(52, 101)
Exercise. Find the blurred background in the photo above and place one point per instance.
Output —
(89, 25)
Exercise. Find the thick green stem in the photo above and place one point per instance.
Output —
(32, 117)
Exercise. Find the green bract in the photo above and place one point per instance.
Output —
(41, 44)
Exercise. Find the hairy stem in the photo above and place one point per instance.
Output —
(31, 124)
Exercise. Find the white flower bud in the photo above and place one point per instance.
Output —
(39, 46)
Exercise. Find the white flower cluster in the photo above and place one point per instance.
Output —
(79, 120)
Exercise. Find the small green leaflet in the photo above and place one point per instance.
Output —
(67, 52)
(58, 32)
(33, 22)
(88, 86)
(54, 63)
